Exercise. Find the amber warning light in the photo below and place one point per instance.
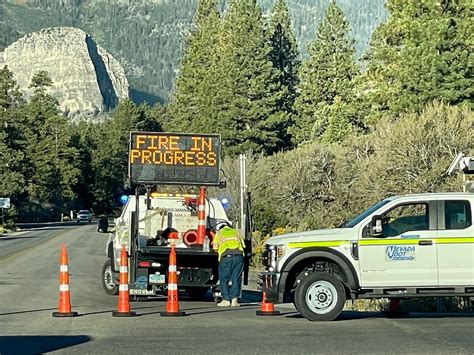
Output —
(174, 158)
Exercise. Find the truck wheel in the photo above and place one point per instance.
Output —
(108, 279)
(320, 297)
(298, 280)
(197, 293)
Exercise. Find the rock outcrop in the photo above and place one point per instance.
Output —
(87, 80)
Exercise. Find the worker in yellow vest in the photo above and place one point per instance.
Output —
(230, 246)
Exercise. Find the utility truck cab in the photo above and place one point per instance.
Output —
(419, 245)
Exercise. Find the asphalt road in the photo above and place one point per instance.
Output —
(13, 243)
(29, 294)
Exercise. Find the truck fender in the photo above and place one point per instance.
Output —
(320, 252)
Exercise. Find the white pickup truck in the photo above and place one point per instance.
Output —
(419, 245)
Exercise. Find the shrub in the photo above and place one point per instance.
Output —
(322, 185)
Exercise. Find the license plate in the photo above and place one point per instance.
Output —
(157, 279)
(140, 292)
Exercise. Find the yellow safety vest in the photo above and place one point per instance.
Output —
(227, 238)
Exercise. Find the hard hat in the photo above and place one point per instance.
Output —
(222, 224)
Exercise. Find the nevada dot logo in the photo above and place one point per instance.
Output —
(400, 253)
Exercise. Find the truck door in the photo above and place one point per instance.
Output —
(405, 253)
(455, 243)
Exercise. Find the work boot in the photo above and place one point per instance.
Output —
(223, 303)
(235, 302)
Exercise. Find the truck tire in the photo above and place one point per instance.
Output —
(320, 296)
(298, 280)
(108, 279)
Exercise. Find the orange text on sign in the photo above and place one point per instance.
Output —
(166, 150)
(177, 157)
(161, 142)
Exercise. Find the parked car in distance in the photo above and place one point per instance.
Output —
(84, 216)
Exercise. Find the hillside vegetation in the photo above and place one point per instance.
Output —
(147, 37)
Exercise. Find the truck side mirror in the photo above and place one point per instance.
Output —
(376, 229)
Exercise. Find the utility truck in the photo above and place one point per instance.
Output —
(158, 215)
(417, 245)
(149, 216)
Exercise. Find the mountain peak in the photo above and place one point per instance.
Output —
(87, 80)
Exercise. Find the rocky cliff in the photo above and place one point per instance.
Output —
(87, 80)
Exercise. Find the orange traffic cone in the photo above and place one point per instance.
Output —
(267, 308)
(201, 230)
(123, 298)
(172, 305)
(64, 308)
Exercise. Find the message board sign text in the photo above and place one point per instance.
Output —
(174, 158)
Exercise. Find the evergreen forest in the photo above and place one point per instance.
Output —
(326, 134)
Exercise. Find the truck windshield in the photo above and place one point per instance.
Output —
(364, 214)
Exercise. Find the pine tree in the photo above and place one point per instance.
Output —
(110, 158)
(189, 107)
(11, 136)
(51, 172)
(85, 137)
(284, 56)
(328, 73)
(249, 92)
(423, 52)
(338, 118)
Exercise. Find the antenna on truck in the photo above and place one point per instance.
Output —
(454, 164)
(466, 166)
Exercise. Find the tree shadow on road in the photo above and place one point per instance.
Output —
(243, 307)
(39, 344)
(206, 310)
(112, 310)
(28, 311)
(181, 309)
(355, 315)
(345, 315)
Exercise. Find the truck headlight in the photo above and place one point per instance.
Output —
(276, 252)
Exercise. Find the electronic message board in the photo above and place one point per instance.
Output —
(174, 158)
